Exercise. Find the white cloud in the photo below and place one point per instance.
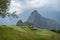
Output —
(15, 6)
(20, 5)
(36, 3)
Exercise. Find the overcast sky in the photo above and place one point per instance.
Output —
(47, 8)
(20, 5)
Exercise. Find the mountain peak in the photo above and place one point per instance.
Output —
(19, 23)
(34, 16)
(35, 12)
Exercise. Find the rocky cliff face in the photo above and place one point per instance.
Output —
(38, 21)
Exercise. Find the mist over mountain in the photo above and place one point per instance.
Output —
(50, 13)
(45, 12)
(41, 22)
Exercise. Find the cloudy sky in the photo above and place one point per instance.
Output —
(47, 8)
(20, 5)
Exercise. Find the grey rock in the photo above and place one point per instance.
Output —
(41, 22)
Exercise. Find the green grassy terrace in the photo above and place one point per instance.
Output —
(25, 33)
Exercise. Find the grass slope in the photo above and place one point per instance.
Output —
(25, 33)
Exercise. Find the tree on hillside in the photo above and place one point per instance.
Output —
(4, 7)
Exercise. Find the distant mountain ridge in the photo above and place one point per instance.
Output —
(38, 21)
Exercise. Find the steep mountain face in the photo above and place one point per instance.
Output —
(19, 23)
(38, 21)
